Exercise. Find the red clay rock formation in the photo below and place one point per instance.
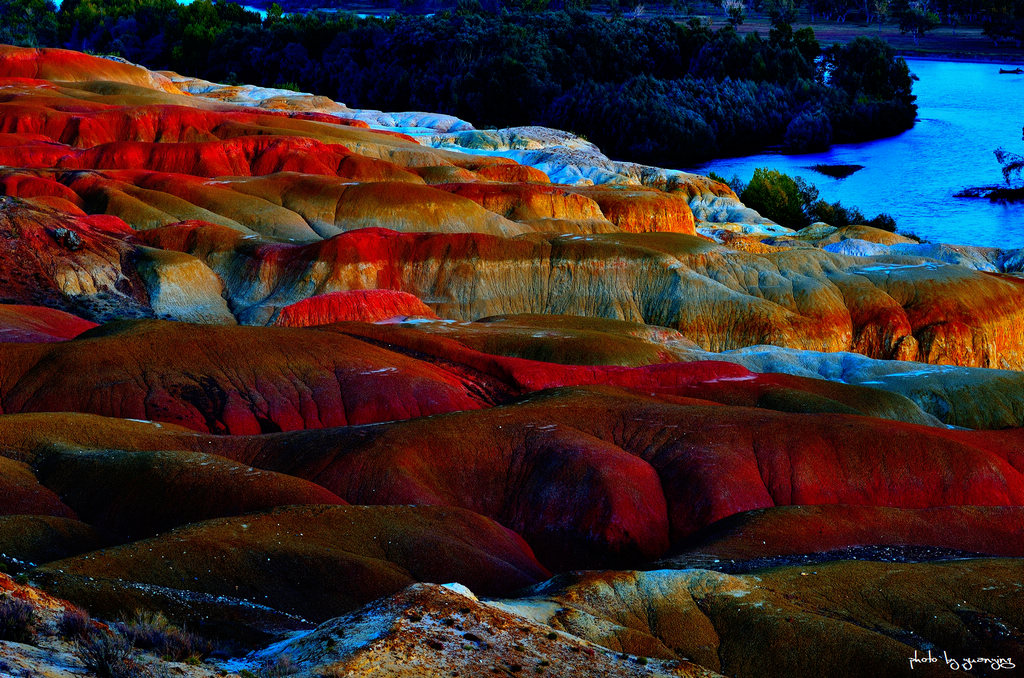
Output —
(40, 539)
(284, 379)
(568, 340)
(38, 324)
(22, 494)
(641, 210)
(689, 463)
(66, 66)
(802, 298)
(290, 378)
(248, 156)
(361, 305)
(526, 202)
(167, 131)
(710, 462)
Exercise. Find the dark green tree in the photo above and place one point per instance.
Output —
(914, 17)
(777, 196)
(28, 23)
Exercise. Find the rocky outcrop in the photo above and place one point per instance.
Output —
(284, 378)
(53, 648)
(357, 373)
(689, 463)
(90, 267)
(432, 630)
(74, 264)
(706, 462)
(859, 617)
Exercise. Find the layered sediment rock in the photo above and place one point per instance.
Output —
(720, 298)
(797, 530)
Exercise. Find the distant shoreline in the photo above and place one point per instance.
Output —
(976, 59)
(942, 44)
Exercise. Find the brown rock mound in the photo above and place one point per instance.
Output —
(128, 495)
(40, 539)
(787, 530)
(347, 555)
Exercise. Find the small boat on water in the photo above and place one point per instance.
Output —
(1014, 71)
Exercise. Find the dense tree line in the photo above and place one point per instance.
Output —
(648, 90)
(794, 202)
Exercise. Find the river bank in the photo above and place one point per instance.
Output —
(915, 176)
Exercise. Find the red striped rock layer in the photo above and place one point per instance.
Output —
(718, 297)
(171, 140)
(635, 475)
(803, 529)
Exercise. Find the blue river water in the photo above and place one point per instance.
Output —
(965, 111)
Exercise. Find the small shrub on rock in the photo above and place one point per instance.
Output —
(17, 619)
(153, 631)
(884, 222)
(108, 655)
(835, 214)
(73, 623)
(794, 202)
(282, 666)
(777, 196)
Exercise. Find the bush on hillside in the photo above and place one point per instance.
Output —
(776, 196)
(17, 620)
